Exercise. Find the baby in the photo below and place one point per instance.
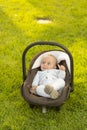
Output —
(49, 80)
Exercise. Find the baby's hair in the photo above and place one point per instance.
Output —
(51, 56)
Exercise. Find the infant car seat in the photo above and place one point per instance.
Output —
(64, 58)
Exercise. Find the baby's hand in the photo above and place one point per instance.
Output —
(61, 67)
(33, 90)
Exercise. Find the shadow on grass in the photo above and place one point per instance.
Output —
(9, 32)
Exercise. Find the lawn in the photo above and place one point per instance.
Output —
(18, 28)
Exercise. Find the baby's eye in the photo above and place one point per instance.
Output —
(48, 63)
(43, 62)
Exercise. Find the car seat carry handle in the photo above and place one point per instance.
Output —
(46, 43)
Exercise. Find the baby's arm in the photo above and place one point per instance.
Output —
(35, 84)
(36, 80)
(61, 67)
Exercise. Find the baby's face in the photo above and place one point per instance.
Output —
(48, 62)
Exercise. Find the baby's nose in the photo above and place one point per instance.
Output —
(45, 63)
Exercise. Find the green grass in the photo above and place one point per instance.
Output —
(19, 28)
